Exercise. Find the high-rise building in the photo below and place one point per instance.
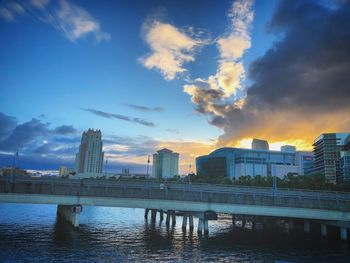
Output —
(258, 144)
(327, 151)
(345, 160)
(64, 171)
(165, 164)
(89, 159)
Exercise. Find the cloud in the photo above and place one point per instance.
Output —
(120, 117)
(209, 95)
(65, 129)
(237, 40)
(28, 135)
(41, 4)
(170, 46)
(10, 10)
(6, 14)
(299, 86)
(144, 108)
(73, 21)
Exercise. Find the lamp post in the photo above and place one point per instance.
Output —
(189, 173)
(147, 176)
(274, 181)
(106, 167)
(15, 155)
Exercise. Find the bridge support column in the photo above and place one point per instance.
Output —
(307, 226)
(173, 218)
(343, 234)
(200, 225)
(206, 227)
(167, 220)
(190, 219)
(184, 222)
(146, 213)
(70, 213)
(153, 215)
(161, 215)
(324, 230)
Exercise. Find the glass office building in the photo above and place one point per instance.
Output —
(328, 157)
(238, 162)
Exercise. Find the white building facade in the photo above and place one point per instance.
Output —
(165, 164)
(236, 162)
(89, 159)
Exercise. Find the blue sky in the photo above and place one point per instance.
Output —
(64, 62)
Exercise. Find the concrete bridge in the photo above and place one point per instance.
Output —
(189, 200)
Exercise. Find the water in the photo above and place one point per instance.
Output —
(31, 233)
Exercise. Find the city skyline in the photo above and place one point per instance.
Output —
(156, 77)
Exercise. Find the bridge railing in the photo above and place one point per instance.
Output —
(179, 192)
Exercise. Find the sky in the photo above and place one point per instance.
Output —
(191, 76)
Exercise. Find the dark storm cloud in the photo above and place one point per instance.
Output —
(300, 86)
(144, 108)
(206, 100)
(120, 117)
(310, 67)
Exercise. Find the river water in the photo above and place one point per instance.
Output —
(32, 233)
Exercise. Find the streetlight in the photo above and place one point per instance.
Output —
(189, 173)
(106, 167)
(147, 177)
(274, 180)
(15, 155)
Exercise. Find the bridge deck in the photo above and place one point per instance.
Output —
(257, 196)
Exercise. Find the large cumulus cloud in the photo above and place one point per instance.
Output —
(301, 84)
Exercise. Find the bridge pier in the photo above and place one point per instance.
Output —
(173, 218)
(206, 227)
(153, 215)
(167, 220)
(203, 225)
(161, 215)
(306, 226)
(200, 225)
(70, 213)
(186, 217)
(184, 222)
(343, 234)
(324, 230)
(170, 216)
(190, 219)
(146, 213)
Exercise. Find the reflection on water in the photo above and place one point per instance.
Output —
(32, 233)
